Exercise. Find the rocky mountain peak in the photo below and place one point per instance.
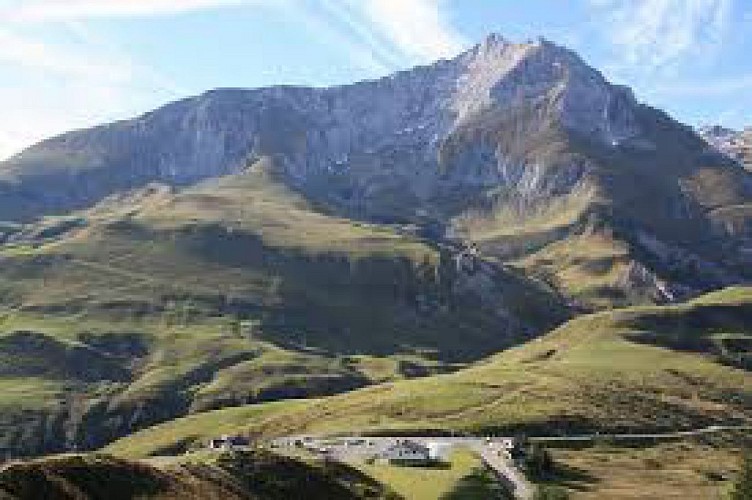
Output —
(494, 43)
(501, 75)
(495, 38)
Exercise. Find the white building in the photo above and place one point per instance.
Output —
(406, 451)
(438, 450)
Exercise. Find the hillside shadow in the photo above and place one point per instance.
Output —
(84, 477)
(478, 485)
(570, 477)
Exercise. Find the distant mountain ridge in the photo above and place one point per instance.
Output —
(735, 144)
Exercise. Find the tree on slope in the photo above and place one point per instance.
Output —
(742, 489)
(551, 493)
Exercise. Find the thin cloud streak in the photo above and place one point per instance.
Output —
(98, 81)
(358, 53)
(85, 79)
(350, 14)
(31, 53)
(37, 11)
(384, 35)
(419, 29)
(653, 35)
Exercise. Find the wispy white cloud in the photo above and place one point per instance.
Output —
(384, 35)
(419, 29)
(51, 83)
(64, 10)
(676, 54)
(58, 85)
(718, 87)
(31, 53)
(653, 35)
(321, 27)
(33, 113)
(360, 28)
(379, 36)
(56, 74)
(49, 87)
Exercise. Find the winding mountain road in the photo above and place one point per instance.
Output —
(490, 450)
(506, 472)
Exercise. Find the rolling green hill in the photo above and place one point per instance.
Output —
(639, 369)
(255, 475)
(155, 304)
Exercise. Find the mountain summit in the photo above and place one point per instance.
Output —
(520, 148)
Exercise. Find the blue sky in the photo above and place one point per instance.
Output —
(68, 64)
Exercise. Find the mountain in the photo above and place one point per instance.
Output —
(642, 369)
(735, 144)
(513, 147)
(246, 246)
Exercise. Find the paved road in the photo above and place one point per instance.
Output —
(506, 471)
(626, 437)
(354, 449)
(357, 448)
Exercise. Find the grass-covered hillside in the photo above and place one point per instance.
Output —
(156, 304)
(659, 368)
(687, 470)
(462, 476)
(244, 475)
(254, 475)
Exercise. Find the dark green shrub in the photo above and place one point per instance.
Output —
(551, 493)
(742, 489)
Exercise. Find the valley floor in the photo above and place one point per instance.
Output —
(698, 468)
(462, 478)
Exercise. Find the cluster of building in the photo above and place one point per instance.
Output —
(408, 451)
(403, 451)
(227, 443)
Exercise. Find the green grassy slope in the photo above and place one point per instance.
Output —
(463, 476)
(608, 226)
(243, 475)
(247, 246)
(247, 475)
(639, 369)
(692, 471)
(157, 304)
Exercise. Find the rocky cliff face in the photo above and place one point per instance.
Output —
(363, 134)
(504, 135)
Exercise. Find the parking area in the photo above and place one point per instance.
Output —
(355, 448)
